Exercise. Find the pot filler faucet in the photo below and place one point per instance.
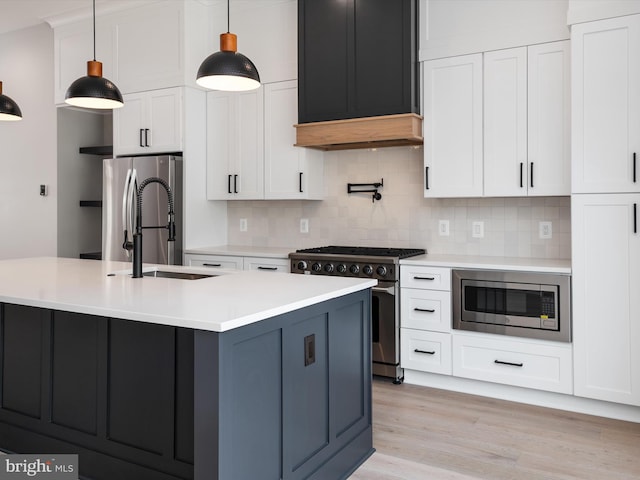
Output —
(136, 246)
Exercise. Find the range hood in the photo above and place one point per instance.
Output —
(367, 132)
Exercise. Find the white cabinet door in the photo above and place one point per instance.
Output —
(149, 122)
(549, 119)
(606, 300)
(605, 105)
(149, 49)
(505, 122)
(452, 111)
(289, 172)
(235, 145)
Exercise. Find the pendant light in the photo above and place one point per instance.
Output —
(9, 110)
(227, 69)
(94, 91)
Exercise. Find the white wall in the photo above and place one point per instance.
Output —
(28, 148)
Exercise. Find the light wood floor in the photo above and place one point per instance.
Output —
(422, 433)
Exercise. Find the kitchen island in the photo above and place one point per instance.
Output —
(242, 375)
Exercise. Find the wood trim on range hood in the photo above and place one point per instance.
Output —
(368, 132)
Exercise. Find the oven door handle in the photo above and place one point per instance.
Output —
(389, 290)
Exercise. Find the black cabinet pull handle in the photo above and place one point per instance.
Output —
(146, 137)
(211, 264)
(141, 144)
(300, 182)
(427, 310)
(424, 278)
(635, 218)
(634, 167)
(235, 184)
(426, 178)
(229, 184)
(531, 179)
(424, 351)
(500, 362)
(273, 269)
(521, 171)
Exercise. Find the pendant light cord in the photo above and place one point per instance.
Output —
(228, 9)
(94, 30)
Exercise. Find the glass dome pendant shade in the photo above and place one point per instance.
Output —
(9, 110)
(227, 69)
(94, 91)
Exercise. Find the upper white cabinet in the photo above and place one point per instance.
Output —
(149, 122)
(527, 121)
(235, 151)
(606, 105)
(250, 152)
(452, 111)
(143, 48)
(606, 304)
(498, 124)
(289, 172)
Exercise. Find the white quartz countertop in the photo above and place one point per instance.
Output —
(243, 251)
(230, 300)
(544, 265)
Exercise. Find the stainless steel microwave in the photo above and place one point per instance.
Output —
(522, 304)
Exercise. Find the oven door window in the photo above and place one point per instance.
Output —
(509, 301)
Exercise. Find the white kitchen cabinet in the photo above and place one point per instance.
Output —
(235, 145)
(149, 122)
(73, 47)
(606, 105)
(289, 172)
(527, 121)
(606, 300)
(237, 262)
(452, 111)
(425, 319)
(523, 363)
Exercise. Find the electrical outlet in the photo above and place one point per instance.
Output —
(545, 230)
(443, 228)
(304, 225)
(243, 224)
(477, 229)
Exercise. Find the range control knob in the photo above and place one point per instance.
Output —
(316, 267)
(381, 270)
(367, 269)
(328, 267)
(354, 269)
(302, 265)
(342, 268)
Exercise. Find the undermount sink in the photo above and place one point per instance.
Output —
(179, 275)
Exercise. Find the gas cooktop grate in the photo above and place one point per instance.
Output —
(365, 251)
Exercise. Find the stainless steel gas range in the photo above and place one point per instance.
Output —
(367, 262)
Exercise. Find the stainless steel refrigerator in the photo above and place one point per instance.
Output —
(155, 246)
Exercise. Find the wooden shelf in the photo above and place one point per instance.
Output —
(104, 151)
(91, 203)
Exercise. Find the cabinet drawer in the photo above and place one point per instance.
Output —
(425, 309)
(425, 351)
(432, 278)
(267, 264)
(532, 364)
(214, 261)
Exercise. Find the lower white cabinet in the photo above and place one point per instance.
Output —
(523, 363)
(425, 351)
(236, 262)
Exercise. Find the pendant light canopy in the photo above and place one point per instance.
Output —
(227, 69)
(9, 110)
(94, 91)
